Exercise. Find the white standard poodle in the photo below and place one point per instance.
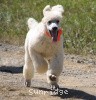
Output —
(44, 46)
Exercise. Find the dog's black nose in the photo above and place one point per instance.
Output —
(54, 28)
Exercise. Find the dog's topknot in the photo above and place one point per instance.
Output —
(46, 9)
(58, 8)
(55, 12)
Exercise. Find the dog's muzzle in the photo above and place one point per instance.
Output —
(55, 34)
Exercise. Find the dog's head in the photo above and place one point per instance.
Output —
(52, 18)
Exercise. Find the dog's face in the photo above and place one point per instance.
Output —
(51, 19)
(53, 27)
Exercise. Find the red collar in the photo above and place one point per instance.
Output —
(59, 34)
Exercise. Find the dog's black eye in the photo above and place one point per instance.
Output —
(49, 22)
(57, 21)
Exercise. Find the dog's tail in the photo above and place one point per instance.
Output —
(31, 23)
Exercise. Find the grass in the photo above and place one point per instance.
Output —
(79, 22)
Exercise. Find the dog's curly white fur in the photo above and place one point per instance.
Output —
(40, 52)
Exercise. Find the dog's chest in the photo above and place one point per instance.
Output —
(46, 48)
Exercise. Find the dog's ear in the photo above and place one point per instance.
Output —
(46, 10)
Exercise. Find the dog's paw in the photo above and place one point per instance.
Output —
(52, 77)
(53, 80)
(27, 83)
(54, 86)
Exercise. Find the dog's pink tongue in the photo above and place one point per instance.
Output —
(54, 37)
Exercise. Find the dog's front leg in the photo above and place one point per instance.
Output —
(55, 66)
(40, 65)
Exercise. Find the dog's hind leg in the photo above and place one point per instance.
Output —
(28, 70)
(40, 64)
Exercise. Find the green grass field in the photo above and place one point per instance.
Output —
(79, 22)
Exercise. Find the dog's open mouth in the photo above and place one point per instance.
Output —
(54, 35)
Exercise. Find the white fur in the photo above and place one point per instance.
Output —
(30, 23)
(40, 52)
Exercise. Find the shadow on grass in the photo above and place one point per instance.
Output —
(65, 93)
(11, 69)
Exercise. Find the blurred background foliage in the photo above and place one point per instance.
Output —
(79, 22)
